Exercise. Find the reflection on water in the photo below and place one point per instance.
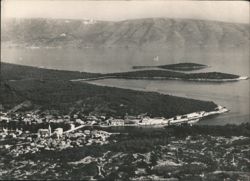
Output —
(233, 95)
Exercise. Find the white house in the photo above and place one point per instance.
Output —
(116, 122)
(58, 132)
(4, 118)
(152, 121)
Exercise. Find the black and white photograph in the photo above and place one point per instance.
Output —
(125, 90)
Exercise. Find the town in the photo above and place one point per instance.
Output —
(75, 151)
(16, 120)
(32, 131)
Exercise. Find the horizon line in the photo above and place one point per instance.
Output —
(115, 21)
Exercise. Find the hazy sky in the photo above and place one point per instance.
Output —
(230, 11)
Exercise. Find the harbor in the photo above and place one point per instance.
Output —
(190, 118)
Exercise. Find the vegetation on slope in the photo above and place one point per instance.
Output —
(55, 91)
(64, 95)
(148, 138)
(199, 151)
(21, 72)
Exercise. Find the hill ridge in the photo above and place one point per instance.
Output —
(147, 32)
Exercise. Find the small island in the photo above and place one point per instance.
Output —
(178, 66)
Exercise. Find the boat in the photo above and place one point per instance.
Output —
(156, 58)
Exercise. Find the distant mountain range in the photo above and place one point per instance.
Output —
(152, 32)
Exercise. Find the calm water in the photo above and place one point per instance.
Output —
(117, 60)
(234, 95)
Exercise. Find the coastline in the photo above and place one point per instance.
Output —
(190, 118)
(163, 78)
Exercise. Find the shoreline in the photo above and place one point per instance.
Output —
(163, 78)
(190, 118)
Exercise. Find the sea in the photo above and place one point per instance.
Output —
(235, 96)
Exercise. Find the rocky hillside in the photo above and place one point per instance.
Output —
(175, 33)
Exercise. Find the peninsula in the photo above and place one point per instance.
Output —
(171, 75)
(53, 90)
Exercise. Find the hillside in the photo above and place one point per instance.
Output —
(154, 32)
(21, 72)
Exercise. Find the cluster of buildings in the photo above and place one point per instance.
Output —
(190, 118)
(45, 139)
(36, 117)
(25, 120)
(143, 120)
(33, 131)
